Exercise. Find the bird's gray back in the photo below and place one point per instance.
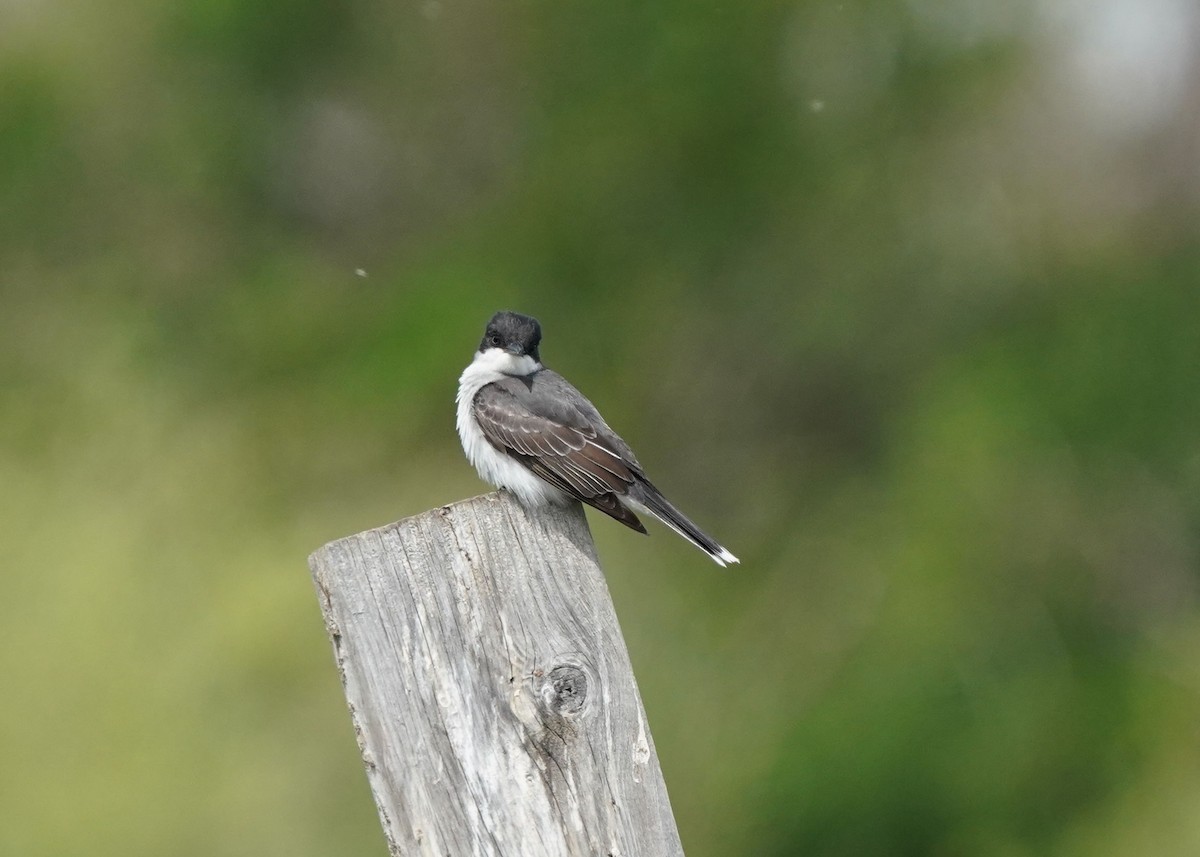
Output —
(550, 395)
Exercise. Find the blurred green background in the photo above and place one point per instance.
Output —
(917, 283)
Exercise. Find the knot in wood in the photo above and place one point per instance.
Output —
(565, 689)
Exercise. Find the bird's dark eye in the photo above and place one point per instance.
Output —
(494, 339)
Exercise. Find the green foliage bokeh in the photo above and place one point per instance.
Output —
(877, 294)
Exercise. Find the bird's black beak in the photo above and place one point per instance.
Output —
(514, 348)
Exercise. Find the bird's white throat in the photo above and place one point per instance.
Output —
(497, 362)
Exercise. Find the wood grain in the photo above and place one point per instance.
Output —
(490, 688)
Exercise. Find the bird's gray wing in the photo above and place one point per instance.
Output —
(547, 425)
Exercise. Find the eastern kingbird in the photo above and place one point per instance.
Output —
(527, 430)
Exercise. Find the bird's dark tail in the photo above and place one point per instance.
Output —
(645, 497)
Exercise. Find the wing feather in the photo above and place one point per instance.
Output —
(567, 450)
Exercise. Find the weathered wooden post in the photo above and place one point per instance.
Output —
(489, 686)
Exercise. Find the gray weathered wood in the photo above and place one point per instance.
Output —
(490, 688)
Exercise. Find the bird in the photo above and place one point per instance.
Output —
(528, 431)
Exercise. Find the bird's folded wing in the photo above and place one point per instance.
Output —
(576, 458)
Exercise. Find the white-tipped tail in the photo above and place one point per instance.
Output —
(646, 498)
(725, 558)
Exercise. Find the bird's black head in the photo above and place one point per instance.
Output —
(515, 333)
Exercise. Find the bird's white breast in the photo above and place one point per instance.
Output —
(494, 466)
